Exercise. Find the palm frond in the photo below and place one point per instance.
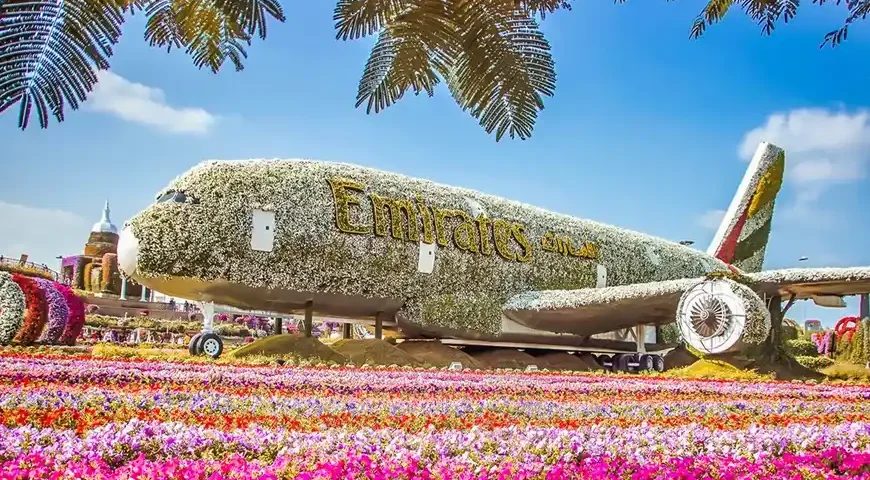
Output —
(543, 8)
(409, 54)
(51, 49)
(766, 13)
(211, 31)
(503, 68)
(251, 15)
(360, 18)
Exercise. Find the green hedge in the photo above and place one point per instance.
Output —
(801, 347)
(816, 363)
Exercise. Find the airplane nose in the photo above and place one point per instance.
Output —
(128, 250)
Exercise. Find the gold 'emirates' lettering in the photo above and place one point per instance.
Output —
(551, 242)
(343, 202)
(408, 219)
(402, 212)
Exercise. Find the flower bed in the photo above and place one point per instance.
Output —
(58, 311)
(80, 417)
(35, 315)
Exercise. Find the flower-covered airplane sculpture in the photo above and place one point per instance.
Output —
(446, 262)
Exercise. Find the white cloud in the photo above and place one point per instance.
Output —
(41, 233)
(822, 147)
(135, 102)
(711, 219)
(820, 144)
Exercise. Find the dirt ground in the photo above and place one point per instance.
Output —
(504, 358)
(375, 352)
(291, 345)
(678, 358)
(564, 361)
(437, 354)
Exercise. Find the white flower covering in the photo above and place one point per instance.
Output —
(12, 306)
(571, 299)
(769, 156)
(757, 326)
(812, 275)
(210, 240)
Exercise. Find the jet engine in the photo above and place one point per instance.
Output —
(721, 315)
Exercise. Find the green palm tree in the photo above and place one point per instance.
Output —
(490, 54)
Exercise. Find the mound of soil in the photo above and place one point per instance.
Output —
(437, 354)
(786, 368)
(505, 358)
(290, 345)
(563, 361)
(375, 352)
(679, 357)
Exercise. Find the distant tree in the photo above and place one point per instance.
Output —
(491, 54)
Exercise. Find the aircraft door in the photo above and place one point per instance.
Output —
(263, 231)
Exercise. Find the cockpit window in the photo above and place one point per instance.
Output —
(177, 197)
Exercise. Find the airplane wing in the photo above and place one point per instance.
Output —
(588, 311)
(803, 283)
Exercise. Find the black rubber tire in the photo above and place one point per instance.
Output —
(603, 359)
(658, 363)
(192, 347)
(620, 362)
(646, 363)
(211, 345)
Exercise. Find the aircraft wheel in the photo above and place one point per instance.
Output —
(658, 363)
(211, 345)
(194, 347)
(646, 363)
(620, 362)
(606, 362)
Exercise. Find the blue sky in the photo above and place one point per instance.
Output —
(645, 130)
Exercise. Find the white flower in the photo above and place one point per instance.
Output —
(12, 308)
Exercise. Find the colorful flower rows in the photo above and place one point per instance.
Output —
(35, 309)
(65, 418)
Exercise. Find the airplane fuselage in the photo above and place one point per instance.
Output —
(273, 235)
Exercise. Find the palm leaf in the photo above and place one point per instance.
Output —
(211, 31)
(360, 18)
(50, 52)
(504, 67)
(765, 12)
(409, 54)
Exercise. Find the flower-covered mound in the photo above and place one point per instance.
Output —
(66, 418)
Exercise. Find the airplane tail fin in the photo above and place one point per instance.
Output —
(741, 239)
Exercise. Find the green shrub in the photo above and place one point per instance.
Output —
(789, 332)
(816, 363)
(801, 347)
(670, 333)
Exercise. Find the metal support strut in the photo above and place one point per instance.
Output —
(639, 338)
(309, 315)
(207, 317)
(379, 326)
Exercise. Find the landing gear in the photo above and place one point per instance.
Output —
(206, 343)
(606, 362)
(194, 347)
(632, 362)
(646, 362)
(658, 363)
(211, 345)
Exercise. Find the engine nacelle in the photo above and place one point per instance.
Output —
(721, 315)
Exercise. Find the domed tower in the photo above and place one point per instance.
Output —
(104, 236)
